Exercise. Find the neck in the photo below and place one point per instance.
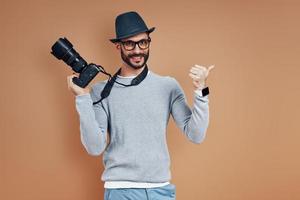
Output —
(129, 71)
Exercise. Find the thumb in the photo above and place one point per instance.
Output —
(211, 67)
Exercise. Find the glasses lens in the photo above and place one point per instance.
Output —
(129, 45)
(143, 44)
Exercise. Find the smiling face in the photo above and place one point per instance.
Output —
(134, 54)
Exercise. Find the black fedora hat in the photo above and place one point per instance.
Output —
(129, 24)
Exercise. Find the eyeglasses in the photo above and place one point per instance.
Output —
(130, 45)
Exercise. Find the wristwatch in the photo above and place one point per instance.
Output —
(204, 92)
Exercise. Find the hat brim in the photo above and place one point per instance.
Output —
(132, 34)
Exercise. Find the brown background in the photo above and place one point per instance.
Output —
(252, 146)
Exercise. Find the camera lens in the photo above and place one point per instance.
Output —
(63, 49)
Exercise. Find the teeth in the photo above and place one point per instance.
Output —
(136, 58)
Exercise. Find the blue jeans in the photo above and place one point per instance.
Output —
(167, 192)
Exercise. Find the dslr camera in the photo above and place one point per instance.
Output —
(63, 50)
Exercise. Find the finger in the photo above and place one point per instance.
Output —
(70, 80)
(211, 67)
(194, 76)
(69, 77)
(194, 71)
(200, 67)
(73, 75)
(199, 72)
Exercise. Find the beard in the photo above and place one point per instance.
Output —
(135, 65)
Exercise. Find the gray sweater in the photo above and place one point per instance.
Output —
(136, 119)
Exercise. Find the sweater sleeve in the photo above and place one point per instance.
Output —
(192, 122)
(93, 123)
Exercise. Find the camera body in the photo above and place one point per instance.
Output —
(63, 50)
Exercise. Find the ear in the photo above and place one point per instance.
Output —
(118, 46)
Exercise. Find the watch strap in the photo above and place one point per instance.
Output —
(202, 92)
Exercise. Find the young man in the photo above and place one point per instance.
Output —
(136, 158)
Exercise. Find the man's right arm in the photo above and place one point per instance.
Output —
(93, 123)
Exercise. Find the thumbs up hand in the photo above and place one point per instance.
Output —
(199, 75)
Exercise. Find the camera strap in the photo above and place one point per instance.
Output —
(109, 85)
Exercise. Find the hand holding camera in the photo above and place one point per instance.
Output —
(76, 90)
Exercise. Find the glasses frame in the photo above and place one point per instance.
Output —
(136, 43)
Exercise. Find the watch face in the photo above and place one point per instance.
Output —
(205, 91)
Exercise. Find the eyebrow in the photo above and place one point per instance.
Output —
(136, 41)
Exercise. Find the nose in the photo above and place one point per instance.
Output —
(137, 49)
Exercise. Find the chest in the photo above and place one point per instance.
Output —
(139, 103)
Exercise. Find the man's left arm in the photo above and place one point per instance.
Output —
(192, 122)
